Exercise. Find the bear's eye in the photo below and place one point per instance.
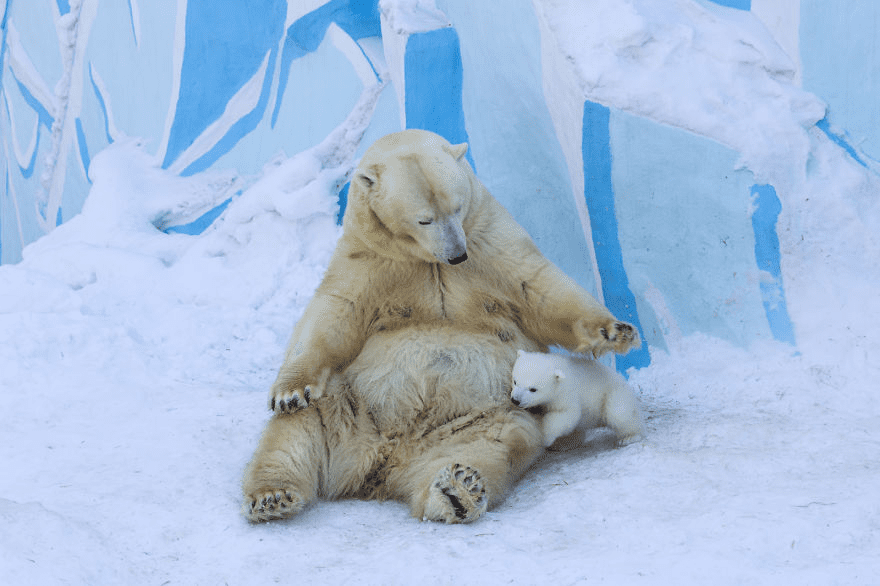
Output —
(426, 222)
(533, 390)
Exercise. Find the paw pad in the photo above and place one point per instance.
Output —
(458, 495)
(278, 504)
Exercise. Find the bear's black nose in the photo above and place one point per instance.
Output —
(458, 259)
(515, 401)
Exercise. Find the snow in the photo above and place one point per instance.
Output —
(135, 367)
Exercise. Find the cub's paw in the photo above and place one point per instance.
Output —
(270, 505)
(457, 495)
(602, 336)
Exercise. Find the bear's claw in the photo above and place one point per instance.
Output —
(289, 395)
(457, 495)
(268, 506)
(291, 400)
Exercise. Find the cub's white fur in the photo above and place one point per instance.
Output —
(576, 392)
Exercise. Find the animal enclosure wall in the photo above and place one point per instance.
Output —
(674, 156)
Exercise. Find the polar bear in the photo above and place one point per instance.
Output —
(575, 393)
(395, 380)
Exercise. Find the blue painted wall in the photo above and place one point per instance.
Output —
(767, 253)
(225, 47)
(433, 77)
(740, 4)
(685, 229)
(840, 45)
(601, 206)
(664, 216)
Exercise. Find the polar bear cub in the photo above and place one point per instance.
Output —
(576, 392)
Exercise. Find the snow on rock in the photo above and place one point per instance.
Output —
(677, 62)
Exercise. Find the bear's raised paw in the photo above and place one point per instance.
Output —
(599, 338)
(457, 495)
(271, 505)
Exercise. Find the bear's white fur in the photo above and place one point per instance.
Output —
(395, 382)
(575, 393)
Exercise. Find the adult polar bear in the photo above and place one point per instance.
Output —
(396, 379)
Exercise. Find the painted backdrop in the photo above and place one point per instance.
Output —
(671, 194)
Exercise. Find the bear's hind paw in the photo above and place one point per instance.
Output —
(271, 505)
(457, 495)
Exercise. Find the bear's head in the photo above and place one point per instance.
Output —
(535, 379)
(410, 196)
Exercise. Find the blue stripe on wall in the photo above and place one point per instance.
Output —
(599, 194)
(358, 18)
(225, 46)
(201, 223)
(46, 119)
(840, 141)
(83, 147)
(343, 202)
(63, 6)
(767, 208)
(102, 105)
(27, 171)
(131, 20)
(433, 77)
(3, 30)
(741, 4)
(238, 130)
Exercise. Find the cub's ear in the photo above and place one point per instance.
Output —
(520, 352)
(458, 150)
(367, 178)
(559, 375)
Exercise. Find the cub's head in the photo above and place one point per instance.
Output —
(410, 196)
(535, 379)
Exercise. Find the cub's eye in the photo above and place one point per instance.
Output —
(426, 222)
(533, 390)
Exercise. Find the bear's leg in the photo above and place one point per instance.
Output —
(467, 466)
(285, 471)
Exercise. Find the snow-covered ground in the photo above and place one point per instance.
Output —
(135, 365)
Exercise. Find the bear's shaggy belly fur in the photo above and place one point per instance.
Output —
(419, 378)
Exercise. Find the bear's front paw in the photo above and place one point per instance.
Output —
(286, 400)
(456, 495)
(600, 337)
(287, 396)
(271, 505)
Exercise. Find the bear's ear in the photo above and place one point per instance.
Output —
(458, 150)
(367, 177)
(559, 375)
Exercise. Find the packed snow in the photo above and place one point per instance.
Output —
(135, 367)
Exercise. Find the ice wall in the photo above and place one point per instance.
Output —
(659, 151)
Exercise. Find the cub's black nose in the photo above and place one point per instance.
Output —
(515, 401)
(458, 259)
